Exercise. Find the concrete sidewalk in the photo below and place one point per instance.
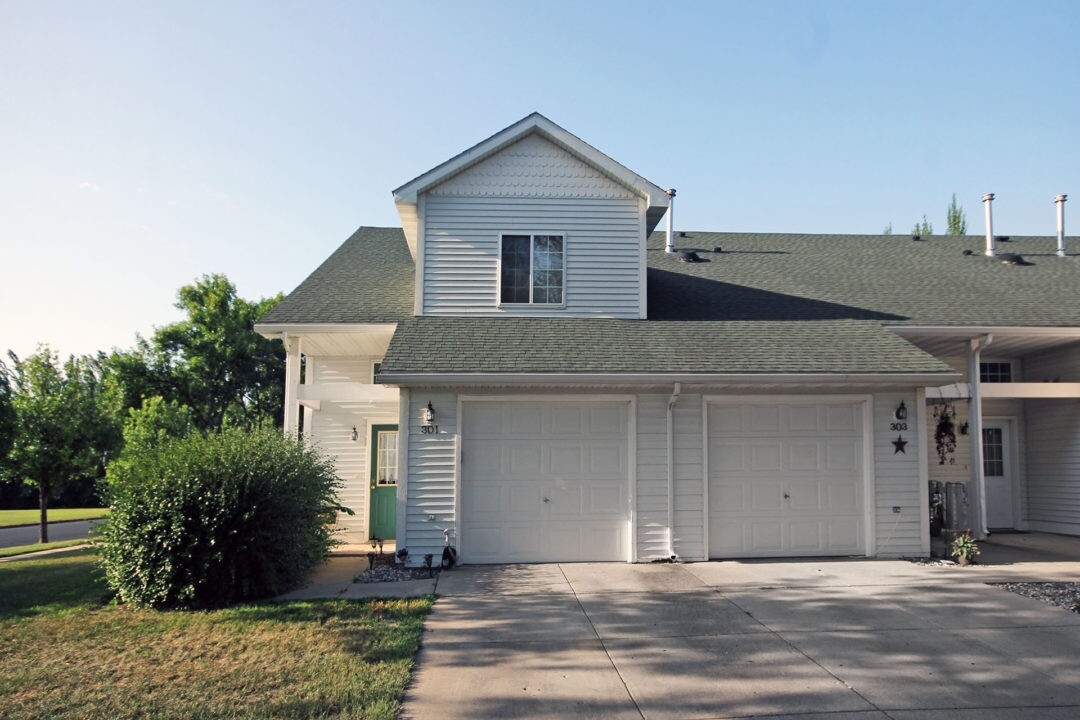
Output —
(816, 639)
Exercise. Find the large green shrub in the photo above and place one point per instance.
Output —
(207, 520)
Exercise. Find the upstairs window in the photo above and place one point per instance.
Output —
(995, 372)
(532, 270)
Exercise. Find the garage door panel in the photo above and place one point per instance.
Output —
(803, 496)
(803, 456)
(766, 538)
(785, 479)
(805, 537)
(765, 456)
(561, 477)
(767, 496)
(609, 420)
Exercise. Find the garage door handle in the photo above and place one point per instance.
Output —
(786, 496)
(547, 499)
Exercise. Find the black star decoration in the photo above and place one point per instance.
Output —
(899, 443)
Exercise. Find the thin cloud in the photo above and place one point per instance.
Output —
(87, 185)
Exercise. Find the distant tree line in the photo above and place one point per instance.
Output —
(62, 422)
(955, 222)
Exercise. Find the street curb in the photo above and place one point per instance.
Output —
(53, 522)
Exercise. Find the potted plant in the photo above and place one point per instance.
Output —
(964, 548)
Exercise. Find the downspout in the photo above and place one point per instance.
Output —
(975, 423)
(675, 392)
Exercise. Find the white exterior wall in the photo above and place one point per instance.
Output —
(897, 480)
(330, 430)
(430, 489)
(652, 493)
(1053, 448)
(689, 478)
(532, 186)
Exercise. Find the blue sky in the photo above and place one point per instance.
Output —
(144, 144)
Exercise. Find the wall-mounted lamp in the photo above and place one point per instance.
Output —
(429, 414)
(355, 434)
(901, 411)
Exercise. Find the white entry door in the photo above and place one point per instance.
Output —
(786, 478)
(544, 481)
(998, 474)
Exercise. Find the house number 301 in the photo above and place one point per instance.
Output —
(898, 426)
(429, 429)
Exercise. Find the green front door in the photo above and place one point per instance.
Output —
(384, 461)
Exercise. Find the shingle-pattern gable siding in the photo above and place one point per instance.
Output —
(891, 279)
(544, 345)
(369, 279)
(532, 167)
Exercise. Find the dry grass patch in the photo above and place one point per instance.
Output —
(320, 659)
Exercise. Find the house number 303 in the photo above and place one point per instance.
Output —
(429, 429)
(898, 426)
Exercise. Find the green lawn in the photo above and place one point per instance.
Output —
(37, 547)
(33, 517)
(65, 652)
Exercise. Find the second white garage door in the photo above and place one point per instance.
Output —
(786, 479)
(544, 482)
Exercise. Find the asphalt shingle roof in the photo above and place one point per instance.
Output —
(767, 303)
(889, 278)
(369, 279)
(565, 345)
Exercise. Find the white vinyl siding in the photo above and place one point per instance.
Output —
(602, 254)
(330, 430)
(1052, 447)
(432, 467)
(896, 479)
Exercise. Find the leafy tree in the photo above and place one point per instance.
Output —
(924, 228)
(156, 422)
(213, 361)
(887, 230)
(7, 417)
(955, 218)
(65, 428)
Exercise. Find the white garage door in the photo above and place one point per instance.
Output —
(544, 482)
(785, 479)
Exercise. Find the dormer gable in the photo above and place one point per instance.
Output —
(407, 196)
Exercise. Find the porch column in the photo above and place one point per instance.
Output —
(975, 427)
(292, 385)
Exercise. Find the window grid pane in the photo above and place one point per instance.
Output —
(993, 453)
(386, 458)
(547, 282)
(515, 269)
(995, 372)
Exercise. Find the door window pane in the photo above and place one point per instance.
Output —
(386, 458)
(993, 453)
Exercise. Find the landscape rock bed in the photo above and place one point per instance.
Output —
(1062, 594)
(393, 573)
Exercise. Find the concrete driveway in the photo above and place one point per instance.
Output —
(818, 639)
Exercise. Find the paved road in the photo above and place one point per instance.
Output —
(11, 537)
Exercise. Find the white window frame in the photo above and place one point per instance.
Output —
(1013, 369)
(532, 235)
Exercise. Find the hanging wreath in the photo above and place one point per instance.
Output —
(945, 433)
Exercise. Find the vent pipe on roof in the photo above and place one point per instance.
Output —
(670, 221)
(1060, 202)
(988, 201)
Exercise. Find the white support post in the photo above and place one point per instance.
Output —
(292, 385)
(975, 433)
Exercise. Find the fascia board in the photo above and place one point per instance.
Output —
(663, 378)
(276, 330)
(977, 330)
(410, 191)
